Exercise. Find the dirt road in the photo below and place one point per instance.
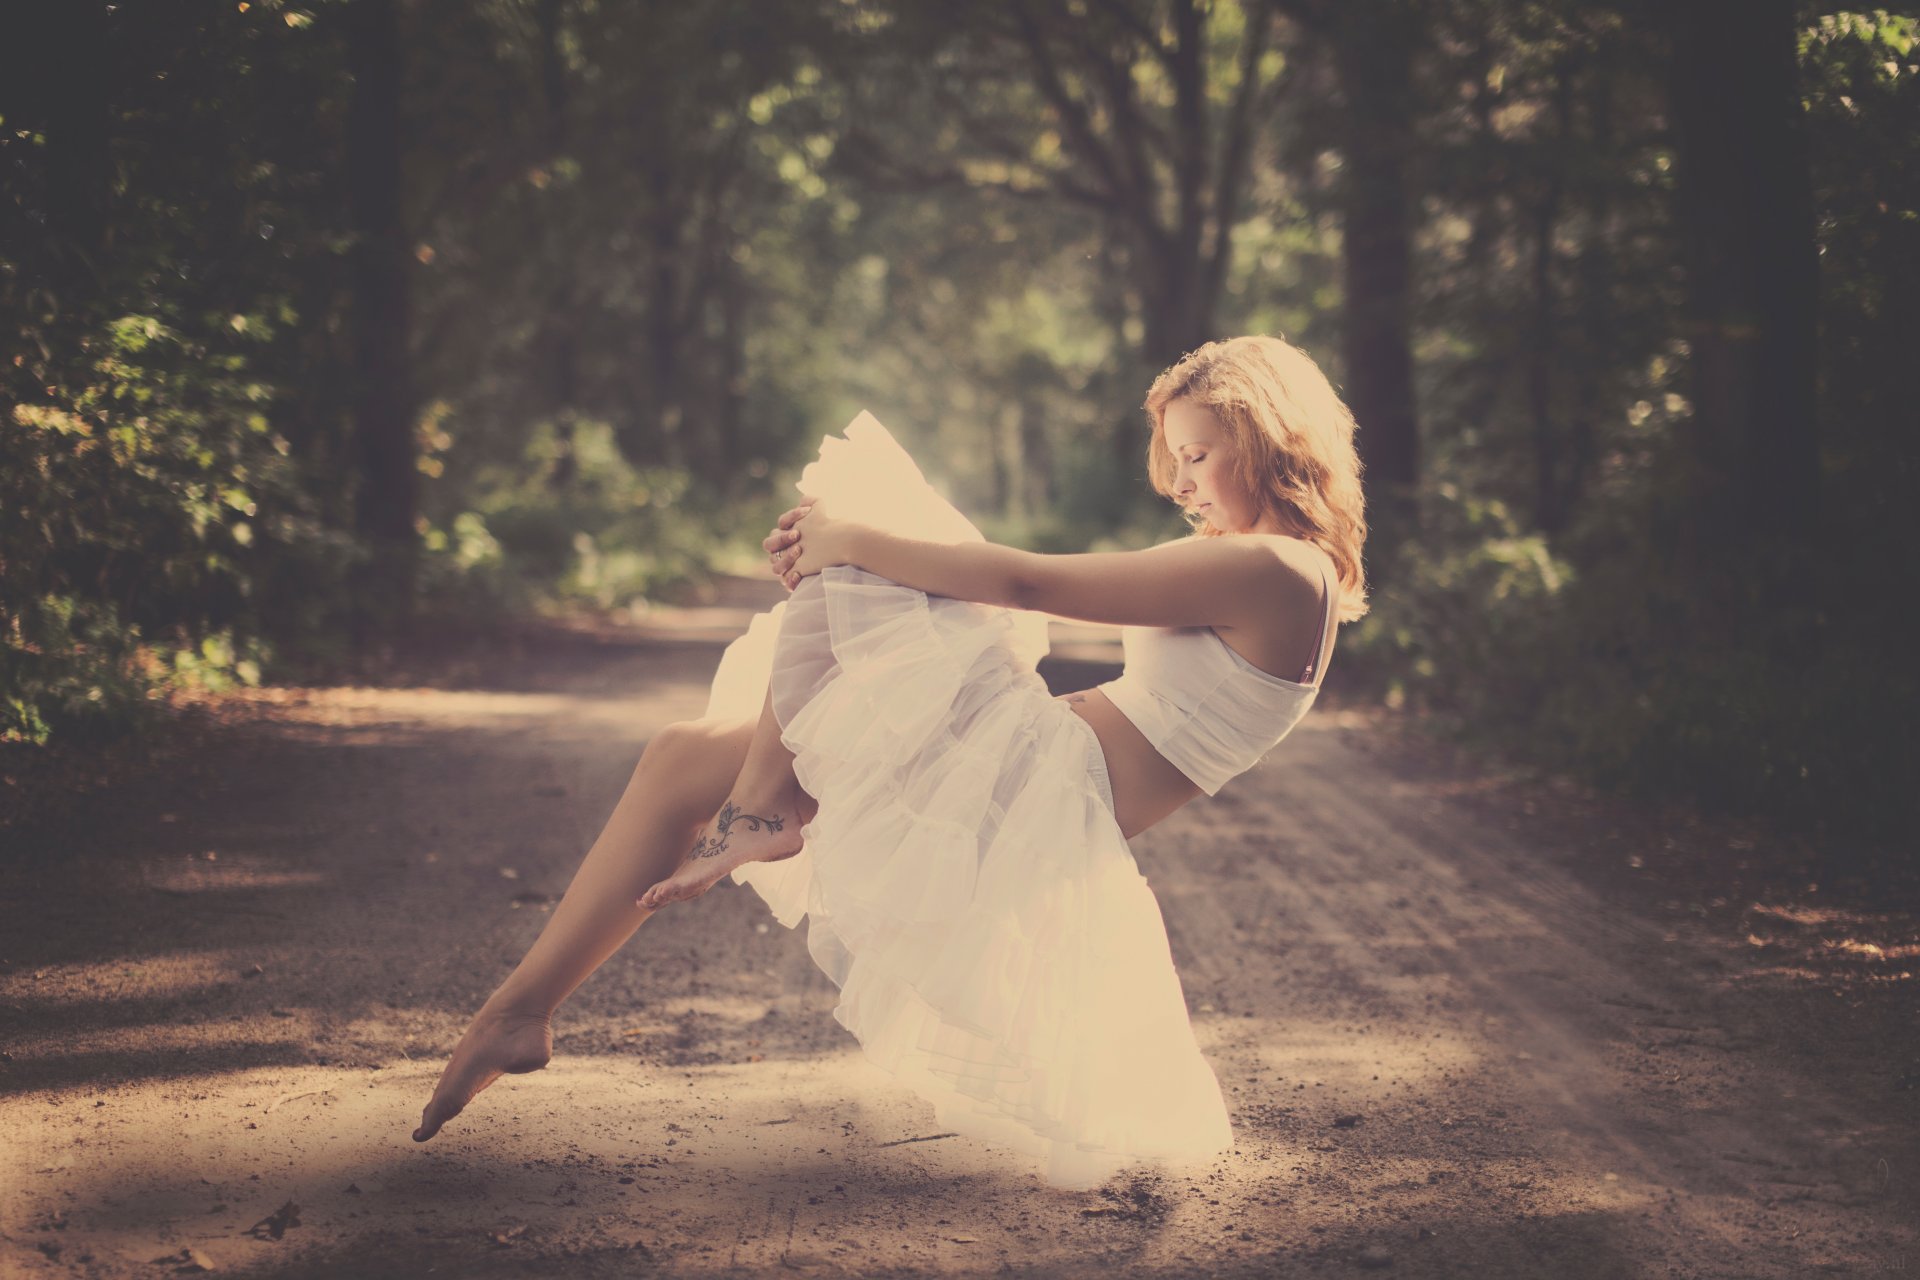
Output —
(1467, 1025)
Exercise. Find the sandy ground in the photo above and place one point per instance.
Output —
(1468, 1024)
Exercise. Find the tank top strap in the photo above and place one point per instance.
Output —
(1319, 660)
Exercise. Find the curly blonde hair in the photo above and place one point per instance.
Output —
(1293, 446)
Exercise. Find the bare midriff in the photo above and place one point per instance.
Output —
(1146, 786)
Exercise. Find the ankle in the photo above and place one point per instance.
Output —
(513, 1011)
(763, 799)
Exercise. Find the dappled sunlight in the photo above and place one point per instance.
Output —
(205, 874)
(178, 973)
(154, 1050)
(1438, 1179)
(1760, 974)
(1801, 913)
(1350, 1057)
(198, 1160)
(359, 707)
(1836, 947)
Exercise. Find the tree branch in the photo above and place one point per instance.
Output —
(892, 173)
(1073, 115)
(1190, 120)
(1237, 148)
(1119, 11)
(1130, 127)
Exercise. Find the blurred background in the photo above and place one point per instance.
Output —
(337, 326)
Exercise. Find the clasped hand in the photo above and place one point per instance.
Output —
(805, 541)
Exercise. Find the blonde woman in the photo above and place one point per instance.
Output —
(881, 759)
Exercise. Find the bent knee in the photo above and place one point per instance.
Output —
(695, 744)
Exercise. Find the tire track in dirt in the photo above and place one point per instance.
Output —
(1407, 923)
(1435, 1041)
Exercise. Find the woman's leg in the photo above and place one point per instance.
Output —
(685, 773)
(760, 821)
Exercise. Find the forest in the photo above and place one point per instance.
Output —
(329, 323)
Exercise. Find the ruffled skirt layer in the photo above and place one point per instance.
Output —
(964, 882)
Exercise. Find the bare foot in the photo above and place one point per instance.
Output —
(495, 1045)
(747, 829)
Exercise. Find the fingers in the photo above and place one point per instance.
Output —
(783, 552)
(782, 548)
(783, 545)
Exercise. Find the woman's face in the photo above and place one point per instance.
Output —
(1203, 478)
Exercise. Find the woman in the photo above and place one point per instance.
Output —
(955, 836)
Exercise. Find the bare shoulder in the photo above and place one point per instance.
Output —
(1304, 568)
(1305, 559)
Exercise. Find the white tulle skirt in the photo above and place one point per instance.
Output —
(964, 883)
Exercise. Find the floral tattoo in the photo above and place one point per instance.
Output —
(730, 813)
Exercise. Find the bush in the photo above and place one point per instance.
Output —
(1619, 672)
(140, 495)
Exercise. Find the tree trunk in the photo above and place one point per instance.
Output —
(1596, 273)
(1036, 461)
(1551, 496)
(383, 400)
(730, 391)
(1373, 50)
(664, 349)
(1743, 199)
(1003, 457)
(560, 352)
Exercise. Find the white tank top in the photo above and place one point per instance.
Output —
(1209, 711)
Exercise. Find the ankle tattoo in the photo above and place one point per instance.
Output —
(714, 846)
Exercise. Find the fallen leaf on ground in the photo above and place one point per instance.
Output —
(188, 1261)
(275, 1224)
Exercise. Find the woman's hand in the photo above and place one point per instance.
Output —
(782, 546)
(807, 541)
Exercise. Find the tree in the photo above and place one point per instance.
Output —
(1144, 117)
(1372, 48)
(1744, 212)
(384, 402)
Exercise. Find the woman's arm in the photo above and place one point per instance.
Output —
(813, 539)
(1192, 583)
(982, 571)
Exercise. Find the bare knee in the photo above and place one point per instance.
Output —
(671, 744)
(692, 758)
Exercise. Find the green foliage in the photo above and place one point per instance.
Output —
(657, 253)
(614, 533)
(1625, 672)
(138, 501)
